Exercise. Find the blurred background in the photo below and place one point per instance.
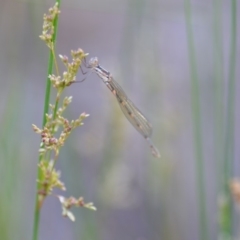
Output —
(178, 62)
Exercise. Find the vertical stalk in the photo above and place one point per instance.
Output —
(46, 109)
(196, 115)
(218, 94)
(229, 137)
(218, 89)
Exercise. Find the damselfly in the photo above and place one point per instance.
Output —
(132, 113)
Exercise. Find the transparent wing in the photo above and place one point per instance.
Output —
(132, 113)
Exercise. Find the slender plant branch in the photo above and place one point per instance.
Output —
(229, 137)
(218, 94)
(54, 58)
(218, 89)
(56, 127)
(231, 95)
(203, 220)
(45, 111)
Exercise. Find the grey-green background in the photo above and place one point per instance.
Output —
(144, 45)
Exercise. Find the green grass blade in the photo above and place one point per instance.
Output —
(196, 116)
(229, 137)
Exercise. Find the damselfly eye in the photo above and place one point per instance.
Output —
(93, 62)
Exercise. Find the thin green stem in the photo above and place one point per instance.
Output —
(219, 112)
(218, 89)
(203, 220)
(55, 60)
(231, 96)
(46, 110)
(229, 137)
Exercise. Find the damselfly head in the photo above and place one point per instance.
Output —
(93, 62)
